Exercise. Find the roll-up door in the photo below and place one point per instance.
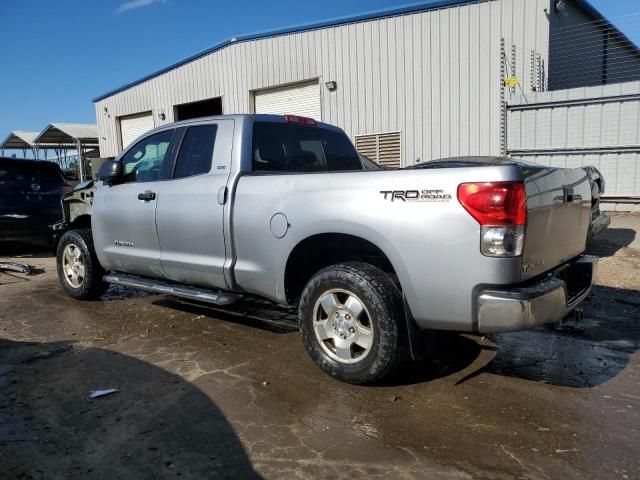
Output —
(132, 126)
(300, 99)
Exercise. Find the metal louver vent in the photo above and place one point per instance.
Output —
(382, 148)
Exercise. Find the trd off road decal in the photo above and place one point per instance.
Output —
(434, 195)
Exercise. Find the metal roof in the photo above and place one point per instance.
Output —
(583, 5)
(371, 15)
(69, 133)
(19, 139)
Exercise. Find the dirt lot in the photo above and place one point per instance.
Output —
(208, 393)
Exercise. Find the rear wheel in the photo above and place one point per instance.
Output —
(79, 272)
(351, 322)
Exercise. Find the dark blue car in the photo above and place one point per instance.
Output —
(30, 193)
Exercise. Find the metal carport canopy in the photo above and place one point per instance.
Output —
(69, 134)
(73, 135)
(23, 140)
(19, 140)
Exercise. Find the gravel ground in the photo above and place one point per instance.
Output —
(211, 393)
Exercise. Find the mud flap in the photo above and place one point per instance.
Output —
(420, 342)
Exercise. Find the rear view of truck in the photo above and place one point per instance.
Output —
(543, 219)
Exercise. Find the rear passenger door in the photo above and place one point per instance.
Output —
(192, 206)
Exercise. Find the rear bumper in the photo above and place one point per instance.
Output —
(546, 301)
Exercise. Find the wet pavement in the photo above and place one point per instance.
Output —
(210, 393)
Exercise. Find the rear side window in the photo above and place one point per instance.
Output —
(282, 147)
(196, 151)
(339, 151)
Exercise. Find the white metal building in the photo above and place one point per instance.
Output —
(408, 85)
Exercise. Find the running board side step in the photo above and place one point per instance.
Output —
(177, 290)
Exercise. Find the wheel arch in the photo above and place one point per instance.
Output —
(81, 222)
(321, 250)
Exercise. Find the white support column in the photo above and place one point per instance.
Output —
(80, 160)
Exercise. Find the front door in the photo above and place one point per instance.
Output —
(123, 219)
(191, 206)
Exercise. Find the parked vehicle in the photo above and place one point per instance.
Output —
(281, 207)
(30, 193)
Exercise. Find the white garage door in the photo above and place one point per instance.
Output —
(132, 126)
(301, 99)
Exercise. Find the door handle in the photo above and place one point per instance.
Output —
(147, 196)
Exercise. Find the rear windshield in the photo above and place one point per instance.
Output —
(24, 172)
(287, 147)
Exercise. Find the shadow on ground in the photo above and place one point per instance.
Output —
(157, 426)
(26, 249)
(581, 354)
(254, 312)
(608, 242)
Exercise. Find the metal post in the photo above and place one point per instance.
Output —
(532, 73)
(514, 72)
(503, 103)
(80, 162)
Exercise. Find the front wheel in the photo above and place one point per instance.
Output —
(351, 322)
(79, 272)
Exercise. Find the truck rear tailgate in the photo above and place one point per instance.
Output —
(558, 217)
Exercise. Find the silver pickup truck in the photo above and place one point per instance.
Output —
(282, 207)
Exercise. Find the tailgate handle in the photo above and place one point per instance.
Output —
(568, 195)
(147, 196)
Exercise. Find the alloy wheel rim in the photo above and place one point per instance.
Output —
(342, 326)
(73, 265)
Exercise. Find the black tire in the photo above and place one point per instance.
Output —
(92, 285)
(383, 309)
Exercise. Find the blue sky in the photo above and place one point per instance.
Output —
(57, 55)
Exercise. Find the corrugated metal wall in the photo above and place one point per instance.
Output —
(433, 75)
(597, 126)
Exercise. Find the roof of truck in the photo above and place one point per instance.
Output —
(264, 117)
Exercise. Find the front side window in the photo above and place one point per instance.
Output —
(286, 147)
(196, 151)
(143, 162)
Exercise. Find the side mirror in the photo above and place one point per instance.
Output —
(111, 171)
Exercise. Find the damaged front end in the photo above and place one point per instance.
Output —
(76, 210)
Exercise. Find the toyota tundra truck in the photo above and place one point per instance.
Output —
(282, 207)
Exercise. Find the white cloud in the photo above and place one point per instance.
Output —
(135, 4)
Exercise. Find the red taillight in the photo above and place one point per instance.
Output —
(495, 203)
(300, 120)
